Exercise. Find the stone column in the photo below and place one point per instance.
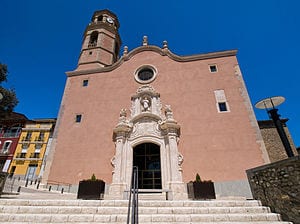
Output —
(176, 184)
(175, 174)
(171, 130)
(117, 160)
(118, 187)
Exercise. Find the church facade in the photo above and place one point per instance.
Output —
(171, 116)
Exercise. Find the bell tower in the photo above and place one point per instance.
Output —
(101, 41)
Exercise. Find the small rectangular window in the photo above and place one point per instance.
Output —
(85, 82)
(221, 101)
(222, 106)
(213, 68)
(78, 118)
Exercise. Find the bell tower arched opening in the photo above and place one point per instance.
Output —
(93, 39)
(146, 157)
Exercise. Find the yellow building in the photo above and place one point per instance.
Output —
(32, 149)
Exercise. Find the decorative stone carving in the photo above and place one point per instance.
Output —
(145, 41)
(165, 44)
(123, 115)
(168, 112)
(125, 52)
(145, 129)
(113, 163)
(147, 124)
(180, 161)
(146, 99)
(123, 127)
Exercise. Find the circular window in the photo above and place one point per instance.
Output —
(145, 74)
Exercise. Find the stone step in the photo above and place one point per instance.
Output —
(124, 203)
(150, 211)
(153, 196)
(123, 210)
(263, 222)
(153, 218)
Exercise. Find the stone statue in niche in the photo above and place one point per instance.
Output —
(145, 104)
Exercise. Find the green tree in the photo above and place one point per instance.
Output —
(198, 178)
(9, 99)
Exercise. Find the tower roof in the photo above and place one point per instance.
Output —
(106, 12)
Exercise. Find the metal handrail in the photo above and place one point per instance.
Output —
(133, 198)
(58, 184)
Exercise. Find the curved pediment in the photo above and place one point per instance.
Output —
(164, 52)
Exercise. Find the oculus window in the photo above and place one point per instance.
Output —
(145, 74)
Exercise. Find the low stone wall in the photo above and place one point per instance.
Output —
(3, 176)
(238, 188)
(277, 185)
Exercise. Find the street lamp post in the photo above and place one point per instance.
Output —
(269, 104)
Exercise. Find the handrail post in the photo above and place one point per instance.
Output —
(137, 196)
(133, 193)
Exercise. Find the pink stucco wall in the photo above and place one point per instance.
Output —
(218, 146)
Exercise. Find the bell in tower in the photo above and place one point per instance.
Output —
(101, 42)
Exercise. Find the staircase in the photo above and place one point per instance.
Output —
(115, 211)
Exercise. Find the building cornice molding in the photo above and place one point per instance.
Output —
(161, 51)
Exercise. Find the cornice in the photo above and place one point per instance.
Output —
(161, 51)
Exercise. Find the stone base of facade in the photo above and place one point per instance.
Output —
(233, 189)
(178, 191)
(116, 192)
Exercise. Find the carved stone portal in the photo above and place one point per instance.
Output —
(147, 124)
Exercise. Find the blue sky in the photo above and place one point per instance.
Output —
(41, 40)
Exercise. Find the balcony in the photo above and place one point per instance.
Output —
(3, 153)
(21, 156)
(34, 155)
(26, 139)
(39, 139)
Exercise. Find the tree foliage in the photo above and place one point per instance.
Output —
(198, 178)
(9, 99)
(3, 72)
